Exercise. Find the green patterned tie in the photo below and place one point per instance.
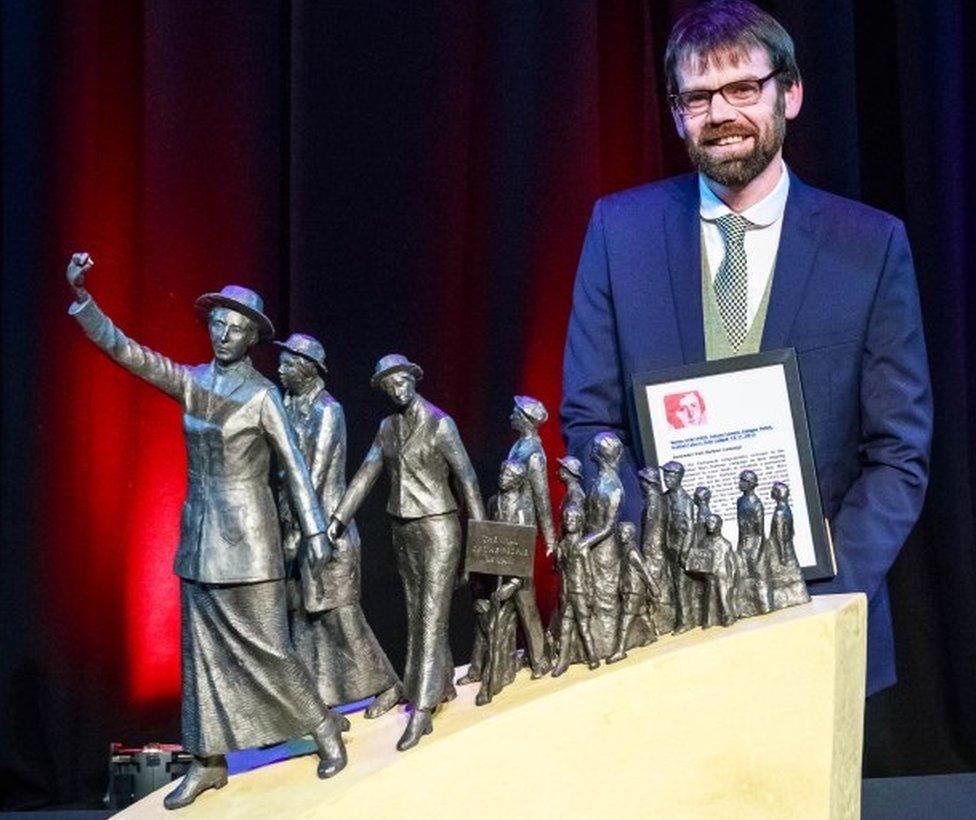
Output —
(732, 279)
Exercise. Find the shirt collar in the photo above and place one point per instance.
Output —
(765, 212)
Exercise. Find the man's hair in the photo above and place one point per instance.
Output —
(729, 29)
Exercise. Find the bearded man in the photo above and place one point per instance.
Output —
(743, 257)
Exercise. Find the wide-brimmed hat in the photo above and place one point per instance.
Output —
(243, 300)
(394, 363)
(532, 408)
(649, 475)
(308, 347)
(571, 465)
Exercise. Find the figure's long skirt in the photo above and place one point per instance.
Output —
(243, 683)
(342, 653)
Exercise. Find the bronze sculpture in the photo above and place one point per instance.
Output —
(654, 525)
(494, 654)
(786, 579)
(527, 416)
(571, 475)
(421, 450)
(328, 625)
(576, 591)
(752, 586)
(243, 684)
(637, 588)
(679, 538)
(603, 503)
(713, 558)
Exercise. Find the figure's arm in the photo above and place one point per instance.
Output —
(884, 502)
(141, 361)
(304, 503)
(358, 489)
(507, 589)
(452, 448)
(327, 465)
(539, 482)
(634, 559)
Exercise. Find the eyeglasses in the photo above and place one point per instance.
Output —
(738, 93)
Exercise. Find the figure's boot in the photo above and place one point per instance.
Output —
(592, 660)
(331, 748)
(204, 773)
(421, 723)
(620, 653)
(384, 701)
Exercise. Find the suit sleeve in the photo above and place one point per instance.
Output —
(594, 393)
(452, 448)
(884, 502)
(141, 361)
(304, 504)
(362, 482)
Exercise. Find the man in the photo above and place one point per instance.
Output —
(654, 529)
(421, 449)
(328, 625)
(571, 475)
(243, 683)
(637, 588)
(743, 257)
(576, 591)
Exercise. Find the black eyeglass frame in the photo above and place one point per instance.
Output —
(675, 99)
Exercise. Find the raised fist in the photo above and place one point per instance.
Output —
(77, 268)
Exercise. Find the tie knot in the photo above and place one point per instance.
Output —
(733, 228)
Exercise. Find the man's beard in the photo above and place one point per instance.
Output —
(736, 172)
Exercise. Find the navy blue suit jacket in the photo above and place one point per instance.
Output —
(844, 296)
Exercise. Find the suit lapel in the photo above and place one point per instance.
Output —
(682, 231)
(420, 421)
(798, 245)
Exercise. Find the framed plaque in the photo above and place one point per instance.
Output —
(721, 417)
(497, 548)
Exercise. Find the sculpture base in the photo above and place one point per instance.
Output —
(763, 719)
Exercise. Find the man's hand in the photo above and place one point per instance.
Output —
(335, 530)
(319, 549)
(77, 268)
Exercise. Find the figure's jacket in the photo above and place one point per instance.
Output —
(320, 429)
(229, 529)
(422, 458)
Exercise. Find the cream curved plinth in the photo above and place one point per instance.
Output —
(761, 720)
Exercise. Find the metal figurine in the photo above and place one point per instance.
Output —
(603, 502)
(752, 586)
(701, 498)
(494, 654)
(653, 549)
(786, 578)
(576, 591)
(328, 625)
(422, 452)
(679, 538)
(527, 416)
(637, 588)
(713, 559)
(243, 684)
(571, 475)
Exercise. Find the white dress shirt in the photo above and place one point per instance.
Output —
(761, 240)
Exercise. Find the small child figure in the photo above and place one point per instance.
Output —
(637, 587)
(573, 563)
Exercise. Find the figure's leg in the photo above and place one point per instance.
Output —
(566, 624)
(436, 542)
(582, 611)
(627, 615)
(535, 635)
